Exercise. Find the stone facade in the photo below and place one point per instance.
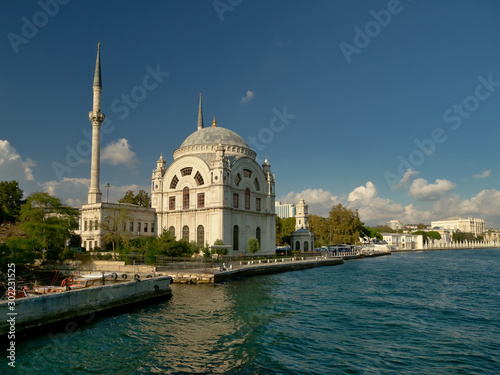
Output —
(457, 224)
(214, 189)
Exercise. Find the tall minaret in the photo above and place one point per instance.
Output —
(96, 117)
(200, 116)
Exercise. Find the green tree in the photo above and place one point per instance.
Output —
(433, 235)
(371, 233)
(284, 228)
(319, 226)
(253, 245)
(344, 225)
(462, 237)
(10, 201)
(47, 223)
(113, 227)
(141, 199)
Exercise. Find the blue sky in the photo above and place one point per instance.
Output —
(388, 107)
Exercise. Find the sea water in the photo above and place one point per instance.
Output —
(408, 313)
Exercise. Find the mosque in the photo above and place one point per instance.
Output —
(213, 189)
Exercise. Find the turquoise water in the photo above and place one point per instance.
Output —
(421, 313)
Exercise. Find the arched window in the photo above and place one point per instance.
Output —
(257, 234)
(198, 178)
(297, 245)
(247, 199)
(306, 246)
(185, 232)
(186, 171)
(237, 180)
(256, 184)
(236, 238)
(173, 183)
(172, 231)
(185, 198)
(200, 236)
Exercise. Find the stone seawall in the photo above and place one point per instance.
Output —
(263, 269)
(42, 310)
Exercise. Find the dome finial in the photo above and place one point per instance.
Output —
(214, 124)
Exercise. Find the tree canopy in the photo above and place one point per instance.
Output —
(253, 245)
(284, 228)
(10, 201)
(141, 198)
(344, 225)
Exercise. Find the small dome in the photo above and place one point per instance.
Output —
(214, 135)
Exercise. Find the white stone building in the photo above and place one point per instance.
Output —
(395, 225)
(402, 241)
(213, 189)
(470, 225)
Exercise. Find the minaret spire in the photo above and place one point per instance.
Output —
(200, 116)
(96, 117)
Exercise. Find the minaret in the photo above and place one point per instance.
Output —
(96, 117)
(200, 116)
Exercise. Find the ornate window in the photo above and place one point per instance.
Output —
(297, 245)
(236, 236)
(85, 225)
(174, 182)
(235, 200)
(152, 227)
(185, 198)
(131, 226)
(257, 204)
(96, 225)
(247, 199)
(91, 228)
(198, 178)
(306, 246)
(145, 227)
(201, 200)
(237, 180)
(257, 234)
(171, 203)
(185, 232)
(186, 171)
(200, 236)
(247, 173)
(138, 227)
(171, 230)
(256, 184)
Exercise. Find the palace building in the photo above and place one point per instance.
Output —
(213, 189)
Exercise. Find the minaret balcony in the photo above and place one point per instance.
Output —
(96, 116)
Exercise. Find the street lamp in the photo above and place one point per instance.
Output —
(107, 191)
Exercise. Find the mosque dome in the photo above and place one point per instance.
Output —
(214, 136)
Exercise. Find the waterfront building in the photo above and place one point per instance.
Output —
(457, 224)
(302, 239)
(403, 241)
(213, 189)
(285, 210)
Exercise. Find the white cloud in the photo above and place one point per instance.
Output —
(248, 97)
(13, 167)
(405, 180)
(119, 152)
(424, 191)
(320, 201)
(373, 209)
(484, 174)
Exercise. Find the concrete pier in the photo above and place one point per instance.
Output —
(38, 311)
